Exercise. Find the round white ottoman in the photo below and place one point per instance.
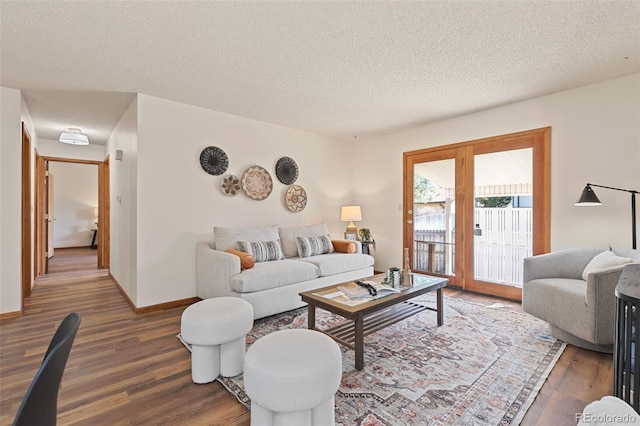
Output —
(291, 377)
(216, 329)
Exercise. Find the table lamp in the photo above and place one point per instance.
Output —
(351, 214)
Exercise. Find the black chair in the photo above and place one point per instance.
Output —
(40, 404)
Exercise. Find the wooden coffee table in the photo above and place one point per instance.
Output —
(369, 316)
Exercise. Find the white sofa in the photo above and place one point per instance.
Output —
(273, 286)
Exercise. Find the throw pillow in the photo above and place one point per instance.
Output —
(313, 246)
(288, 236)
(342, 246)
(246, 260)
(262, 251)
(604, 260)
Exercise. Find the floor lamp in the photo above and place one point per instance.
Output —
(589, 198)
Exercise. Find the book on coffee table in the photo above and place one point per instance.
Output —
(355, 291)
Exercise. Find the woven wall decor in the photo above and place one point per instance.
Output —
(214, 160)
(295, 198)
(286, 170)
(230, 185)
(256, 183)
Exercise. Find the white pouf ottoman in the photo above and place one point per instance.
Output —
(216, 329)
(608, 411)
(291, 377)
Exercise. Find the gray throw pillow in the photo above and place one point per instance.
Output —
(262, 251)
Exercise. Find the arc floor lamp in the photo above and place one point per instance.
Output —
(589, 198)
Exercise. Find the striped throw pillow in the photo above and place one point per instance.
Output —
(313, 246)
(262, 251)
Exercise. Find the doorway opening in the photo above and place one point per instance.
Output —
(71, 210)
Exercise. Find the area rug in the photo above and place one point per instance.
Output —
(484, 366)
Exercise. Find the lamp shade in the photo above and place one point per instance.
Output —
(74, 137)
(588, 198)
(351, 214)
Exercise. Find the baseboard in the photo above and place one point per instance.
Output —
(167, 305)
(153, 308)
(9, 315)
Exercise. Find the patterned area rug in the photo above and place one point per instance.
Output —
(484, 366)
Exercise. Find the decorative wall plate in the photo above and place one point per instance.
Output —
(286, 170)
(214, 160)
(230, 185)
(295, 198)
(257, 183)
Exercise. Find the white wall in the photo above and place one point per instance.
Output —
(123, 201)
(75, 196)
(595, 137)
(178, 203)
(10, 199)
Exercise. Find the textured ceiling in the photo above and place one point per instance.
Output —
(342, 69)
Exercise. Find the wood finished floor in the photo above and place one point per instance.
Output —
(130, 369)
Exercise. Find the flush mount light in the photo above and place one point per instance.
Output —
(74, 137)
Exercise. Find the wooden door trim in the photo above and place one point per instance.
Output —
(103, 215)
(26, 221)
(514, 138)
(40, 268)
(103, 206)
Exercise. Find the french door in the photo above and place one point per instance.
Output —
(474, 210)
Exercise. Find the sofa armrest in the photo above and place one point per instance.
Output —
(214, 270)
(561, 264)
(601, 298)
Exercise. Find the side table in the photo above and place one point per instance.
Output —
(626, 371)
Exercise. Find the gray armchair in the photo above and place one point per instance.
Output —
(579, 312)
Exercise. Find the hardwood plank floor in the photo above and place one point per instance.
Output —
(130, 369)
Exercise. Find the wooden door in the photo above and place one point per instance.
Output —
(451, 176)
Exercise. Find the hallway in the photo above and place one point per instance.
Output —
(123, 368)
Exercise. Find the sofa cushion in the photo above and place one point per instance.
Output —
(288, 236)
(262, 251)
(313, 246)
(604, 260)
(227, 238)
(337, 263)
(266, 275)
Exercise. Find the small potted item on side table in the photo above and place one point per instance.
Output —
(367, 240)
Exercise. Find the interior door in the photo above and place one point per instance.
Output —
(49, 212)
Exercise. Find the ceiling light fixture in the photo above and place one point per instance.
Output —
(74, 136)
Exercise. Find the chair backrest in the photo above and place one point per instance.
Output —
(40, 403)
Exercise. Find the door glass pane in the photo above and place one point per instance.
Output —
(434, 217)
(503, 215)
